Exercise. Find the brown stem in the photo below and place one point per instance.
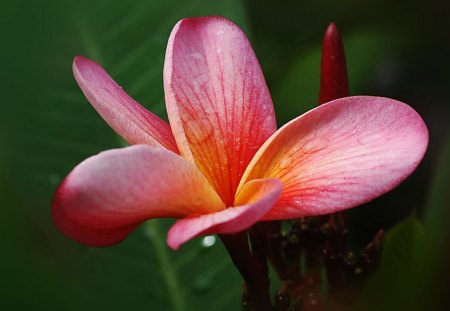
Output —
(271, 233)
(255, 278)
(334, 251)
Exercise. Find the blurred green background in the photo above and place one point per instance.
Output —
(394, 49)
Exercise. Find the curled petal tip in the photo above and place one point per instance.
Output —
(81, 63)
(128, 118)
(79, 58)
(255, 199)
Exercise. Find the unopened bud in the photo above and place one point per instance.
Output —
(282, 299)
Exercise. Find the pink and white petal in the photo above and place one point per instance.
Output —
(341, 154)
(128, 118)
(218, 103)
(254, 200)
(106, 196)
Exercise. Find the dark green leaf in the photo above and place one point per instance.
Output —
(298, 91)
(51, 128)
(395, 283)
(437, 214)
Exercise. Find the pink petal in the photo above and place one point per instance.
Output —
(254, 200)
(130, 120)
(340, 155)
(217, 100)
(106, 196)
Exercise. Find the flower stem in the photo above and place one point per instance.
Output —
(251, 269)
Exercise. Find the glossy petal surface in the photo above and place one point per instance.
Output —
(108, 195)
(128, 118)
(254, 200)
(340, 155)
(217, 100)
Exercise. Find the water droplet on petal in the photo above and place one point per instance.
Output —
(368, 139)
(309, 147)
(237, 143)
(286, 162)
(197, 56)
(198, 130)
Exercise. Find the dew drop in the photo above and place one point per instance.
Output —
(237, 143)
(197, 56)
(308, 147)
(208, 241)
(370, 139)
(286, 162)
(197, 202)
(198, 130)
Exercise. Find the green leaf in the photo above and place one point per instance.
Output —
(298, 91)
(51, 128)
(414, 271)
(393, 285)
(438, 205)
(437, 213)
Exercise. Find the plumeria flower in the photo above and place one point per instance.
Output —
(221, 165)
